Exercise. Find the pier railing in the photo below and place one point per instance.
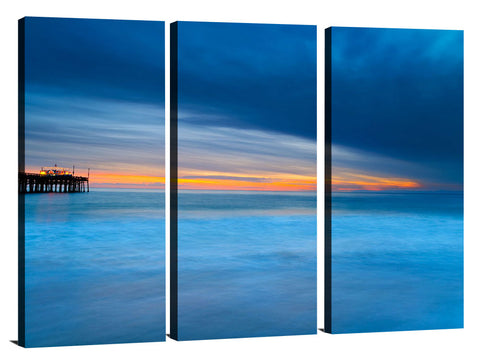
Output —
(36, 183)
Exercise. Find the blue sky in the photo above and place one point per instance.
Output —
(247, 104)
(95, 93)
(397, 105)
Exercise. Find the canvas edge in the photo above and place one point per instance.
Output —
(21, 168)
(174, 180)
(328, 183)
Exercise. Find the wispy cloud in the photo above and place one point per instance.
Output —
(232, 158)
(106, 136)
(356, 169)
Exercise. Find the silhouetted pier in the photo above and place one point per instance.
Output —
(38, 183)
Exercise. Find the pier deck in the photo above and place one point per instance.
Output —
(35, 183)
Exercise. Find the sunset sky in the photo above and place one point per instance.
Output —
(247, 106)
(95, 98)
(397, 109)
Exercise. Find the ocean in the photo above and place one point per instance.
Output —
(397, 261)
(94, 267)
(246, 264)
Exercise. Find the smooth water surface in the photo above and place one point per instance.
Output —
(397, 261)
(94, 267)
(247, 264)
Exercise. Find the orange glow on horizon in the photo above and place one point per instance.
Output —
(343, 180)
(132, 181)
(203, 180)
(235, 184)
(349, 181)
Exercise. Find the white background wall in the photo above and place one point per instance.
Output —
(458, 344)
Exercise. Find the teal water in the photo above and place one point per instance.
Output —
(94, 267)
(397, 261)
(247, 264)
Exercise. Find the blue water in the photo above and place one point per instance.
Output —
(397, 261)
(94, 267)
(247, 264)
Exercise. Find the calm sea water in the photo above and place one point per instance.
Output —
(94, 267)
(397, 261)
(247, 264)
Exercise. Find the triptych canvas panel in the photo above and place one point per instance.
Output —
(92, 221)
(244, 138)
(243, 238)
(394, 179)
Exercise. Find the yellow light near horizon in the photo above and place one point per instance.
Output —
(351, 181)
(261, 182)
(234, 184)
(126, 180)
(213, 174)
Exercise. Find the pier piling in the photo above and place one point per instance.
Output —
(35, 183)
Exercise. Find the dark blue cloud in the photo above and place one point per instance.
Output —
(248, 75)
(112, 59)
(399, 93)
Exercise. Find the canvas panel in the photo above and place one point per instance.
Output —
(243, 196)
(91, 181)
(394, 179)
